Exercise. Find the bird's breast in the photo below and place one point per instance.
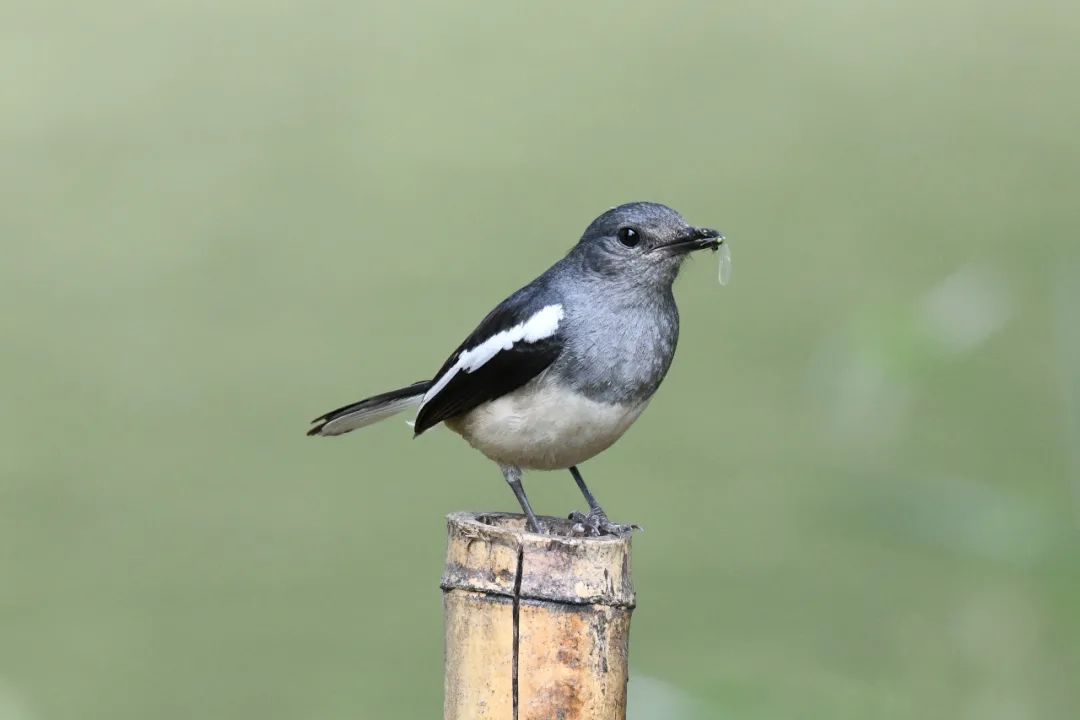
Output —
(545, 425)
(621, 354)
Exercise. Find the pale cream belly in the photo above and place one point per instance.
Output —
(544, 428)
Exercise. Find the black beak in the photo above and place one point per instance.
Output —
(694, 239)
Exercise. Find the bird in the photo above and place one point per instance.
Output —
(560, 369)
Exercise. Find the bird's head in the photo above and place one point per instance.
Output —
(643, 242)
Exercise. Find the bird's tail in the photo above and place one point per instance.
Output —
(370, 411)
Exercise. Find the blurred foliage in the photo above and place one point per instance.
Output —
(220, 219)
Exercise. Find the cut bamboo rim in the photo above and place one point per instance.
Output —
(537, 626)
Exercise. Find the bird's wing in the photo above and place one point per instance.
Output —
(517, 341)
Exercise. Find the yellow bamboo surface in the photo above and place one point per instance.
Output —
(537, 626)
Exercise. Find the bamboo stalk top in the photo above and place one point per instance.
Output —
(493, 553)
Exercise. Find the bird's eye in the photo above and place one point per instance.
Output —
(629, 236)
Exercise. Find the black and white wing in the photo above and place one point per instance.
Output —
(517, 341)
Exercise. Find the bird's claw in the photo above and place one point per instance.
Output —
(595, 524)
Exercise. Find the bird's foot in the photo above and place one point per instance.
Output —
(539, 528)
(596, 523)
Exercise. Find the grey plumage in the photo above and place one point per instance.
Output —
(560, 369)
(619, 344)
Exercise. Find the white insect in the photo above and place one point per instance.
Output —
(724, 252)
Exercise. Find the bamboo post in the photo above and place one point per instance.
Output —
(537, 626)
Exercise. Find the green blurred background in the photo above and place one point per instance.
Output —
(860, 482)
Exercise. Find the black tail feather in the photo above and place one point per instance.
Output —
(417, 388)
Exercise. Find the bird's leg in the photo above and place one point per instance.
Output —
(513, 478)
(593, 505)
(596, 522)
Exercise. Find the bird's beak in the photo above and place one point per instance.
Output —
(694, 239)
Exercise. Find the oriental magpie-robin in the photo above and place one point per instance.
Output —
(559, 370)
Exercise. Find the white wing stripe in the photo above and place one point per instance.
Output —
(543, 324)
